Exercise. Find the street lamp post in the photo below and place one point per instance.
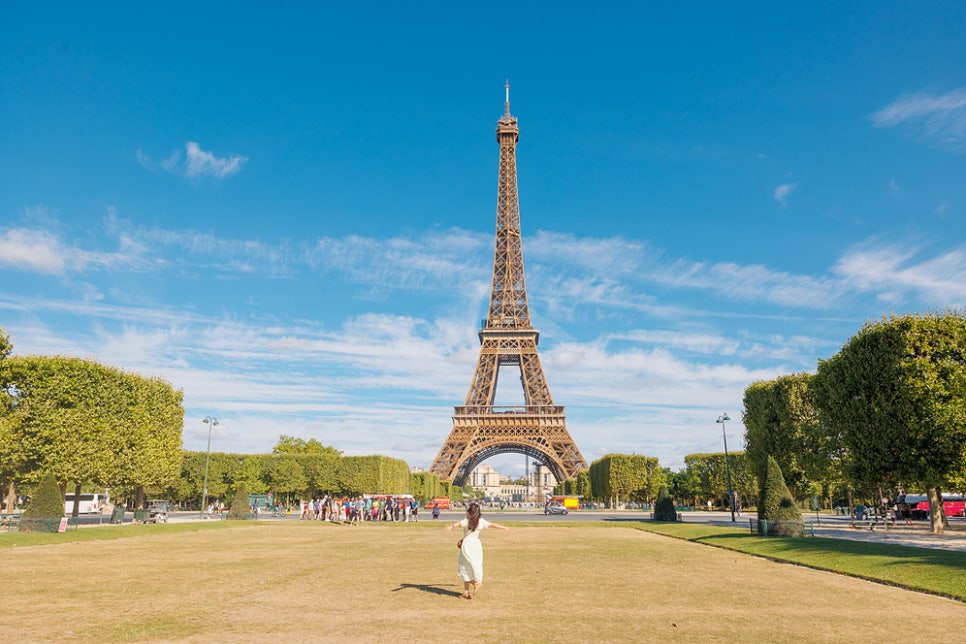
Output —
(211, 421)
(731, 493)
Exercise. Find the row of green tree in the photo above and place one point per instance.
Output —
(93, 427)
(298, 469)
(619, 478)
(885, 413)
(85, 424)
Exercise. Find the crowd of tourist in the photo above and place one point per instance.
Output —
(353, 510)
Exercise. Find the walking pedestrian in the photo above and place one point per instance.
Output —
(470, 567)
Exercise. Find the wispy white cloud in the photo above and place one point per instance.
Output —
(201, 163)
(41, 251)
(939, 119)
(701, 343)
(571, 273)
(195, 163)
(659, 368)
(36, 251)
(893, 271)
(144, 159)
(782, 191)
(263, 381)
(752, 283)
(438, 259)
(618, 273)
(603, 256)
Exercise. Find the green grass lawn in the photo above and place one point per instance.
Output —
(106, 532)
(942, 572)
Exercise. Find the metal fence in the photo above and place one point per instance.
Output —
(17, 523)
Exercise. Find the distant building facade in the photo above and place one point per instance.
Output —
(498, 489)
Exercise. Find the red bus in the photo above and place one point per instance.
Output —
(919, 505)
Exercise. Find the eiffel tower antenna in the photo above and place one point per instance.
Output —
(538, 428)
(507, 113)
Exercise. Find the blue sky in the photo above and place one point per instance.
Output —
(289, 212)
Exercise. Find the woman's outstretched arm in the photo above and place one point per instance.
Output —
(499, 527)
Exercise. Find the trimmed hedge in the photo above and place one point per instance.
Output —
(777, 509)
(239, 506)
(46, 505)
(664, 509)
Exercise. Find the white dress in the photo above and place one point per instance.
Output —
(471, 552)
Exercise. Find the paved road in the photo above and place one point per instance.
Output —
(836, 527)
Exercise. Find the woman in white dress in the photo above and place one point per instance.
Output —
(471, 549)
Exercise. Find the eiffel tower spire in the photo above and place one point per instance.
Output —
(508, 298)
(538, 428)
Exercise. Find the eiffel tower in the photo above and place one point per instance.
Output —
(538, 428)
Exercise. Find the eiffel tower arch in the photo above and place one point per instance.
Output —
(537, 428)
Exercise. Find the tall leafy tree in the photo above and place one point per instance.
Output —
(12, 452)
(321, 472)
(6, 346)
(583, 487)
(684, 485)
(65, 408)
(424, 486)
(708, 474)
(285, 475)
(624, 476)
(779, 420)
(248, 469)
(895, 396)
(367, 474)
(147, 435)
(84, 422)
(12, 455)
(294, 445)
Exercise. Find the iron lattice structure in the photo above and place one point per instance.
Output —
(538, 428)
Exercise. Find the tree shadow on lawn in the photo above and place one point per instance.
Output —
(895, 553)
(435, 589)
(820, 552)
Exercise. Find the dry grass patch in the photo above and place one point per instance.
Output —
(308, 582)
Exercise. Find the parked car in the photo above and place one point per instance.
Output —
(554, 508)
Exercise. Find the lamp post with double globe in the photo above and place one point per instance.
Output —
(731, 492)
(211, 421)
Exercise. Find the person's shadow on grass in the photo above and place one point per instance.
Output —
(436, 589)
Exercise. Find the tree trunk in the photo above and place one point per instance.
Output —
(139, 498)
(935, 510)
(942, 508)
(76, 509)
(851, 509)
(11, 497)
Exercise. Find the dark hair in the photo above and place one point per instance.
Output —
(473, 516)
